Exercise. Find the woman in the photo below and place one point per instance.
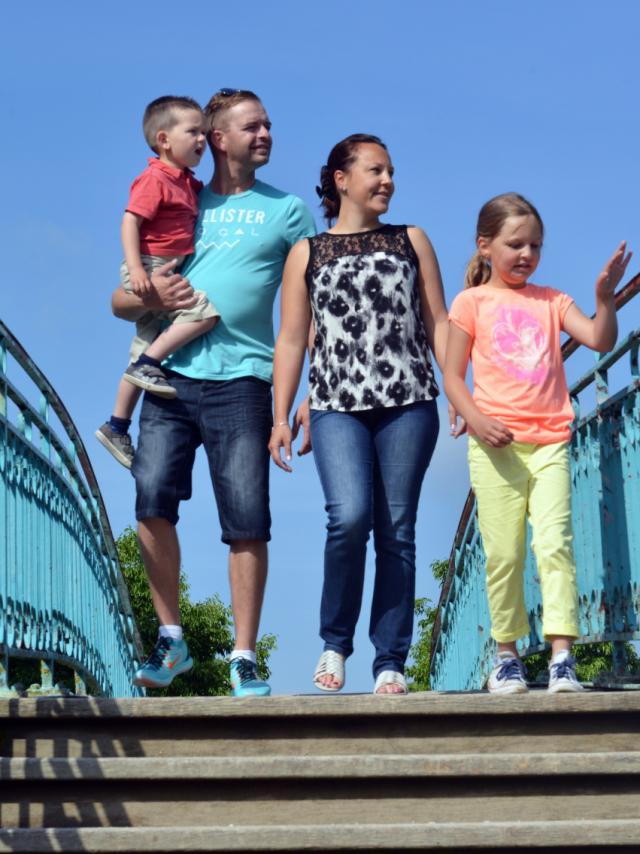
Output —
(375, 296)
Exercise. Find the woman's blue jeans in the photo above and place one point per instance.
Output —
(371, 466)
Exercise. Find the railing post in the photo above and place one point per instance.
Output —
(4, 673)
(620, 659)
(79, 685)
(46, 676)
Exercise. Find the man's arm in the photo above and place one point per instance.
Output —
(170, 292)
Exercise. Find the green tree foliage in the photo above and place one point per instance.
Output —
(591, 659)
(207, 626)
(420, 655)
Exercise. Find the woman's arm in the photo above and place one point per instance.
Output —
(488, 430)
(434, 309)
(600, 332)
(295, 320)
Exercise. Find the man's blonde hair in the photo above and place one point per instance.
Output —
(218, 105)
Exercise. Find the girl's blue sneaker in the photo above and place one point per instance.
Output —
(169, 659)
(245, 681)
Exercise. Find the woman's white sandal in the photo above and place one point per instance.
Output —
(330, 663)
(390, 677)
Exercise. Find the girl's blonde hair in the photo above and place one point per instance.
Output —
(491, 218)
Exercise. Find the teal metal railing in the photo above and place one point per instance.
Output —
(62, 595)
(605, 469)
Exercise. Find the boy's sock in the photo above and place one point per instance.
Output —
(143, 359)
(243, 653)
(168, 631)
(120, 425)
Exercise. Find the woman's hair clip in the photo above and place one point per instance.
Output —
(320, 192)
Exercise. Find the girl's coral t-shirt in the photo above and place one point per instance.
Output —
(518, 375)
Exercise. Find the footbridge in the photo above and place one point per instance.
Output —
(62, 596)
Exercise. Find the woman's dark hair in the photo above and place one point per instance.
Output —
(341, 157)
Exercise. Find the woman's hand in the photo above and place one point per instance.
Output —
(302, 418)
(456, 429)
(280, 438)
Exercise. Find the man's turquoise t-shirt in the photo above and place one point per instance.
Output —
(241, 244)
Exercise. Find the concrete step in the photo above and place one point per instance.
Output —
(426, 724)
(620, 835)
(164, 769)
(347, 773)
(142, 801)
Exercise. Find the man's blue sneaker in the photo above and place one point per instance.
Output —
(245, 681)
(169, 659)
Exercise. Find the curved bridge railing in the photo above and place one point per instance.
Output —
(605, 468)
(62, 595)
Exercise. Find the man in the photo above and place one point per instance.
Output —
(223, 379)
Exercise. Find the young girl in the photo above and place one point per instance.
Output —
(519, 421)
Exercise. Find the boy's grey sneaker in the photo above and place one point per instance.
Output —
(562, 676)
(118, 444)
(508, 677)
(150, 379)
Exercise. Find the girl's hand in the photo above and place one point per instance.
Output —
(491, 432)
(280, 438)
(613, 271)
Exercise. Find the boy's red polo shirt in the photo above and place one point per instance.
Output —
(167, 198)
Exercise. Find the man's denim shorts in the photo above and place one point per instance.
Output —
(232, 419)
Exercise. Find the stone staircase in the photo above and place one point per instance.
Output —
(345, 773)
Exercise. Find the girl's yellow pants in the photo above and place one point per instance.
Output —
(512, 483)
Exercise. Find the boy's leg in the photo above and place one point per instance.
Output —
(500, 482)
(186, 325)
(114, 433)
(177, 335)
(126, 398)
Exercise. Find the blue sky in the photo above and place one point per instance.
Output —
(472, 100)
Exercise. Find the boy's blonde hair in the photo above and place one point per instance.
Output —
(162, 114)
(491, 218)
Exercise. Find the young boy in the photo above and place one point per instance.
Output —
(157, 227)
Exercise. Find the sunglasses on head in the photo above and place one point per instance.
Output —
(227, 92)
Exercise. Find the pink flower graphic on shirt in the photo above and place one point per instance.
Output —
(520, 345)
